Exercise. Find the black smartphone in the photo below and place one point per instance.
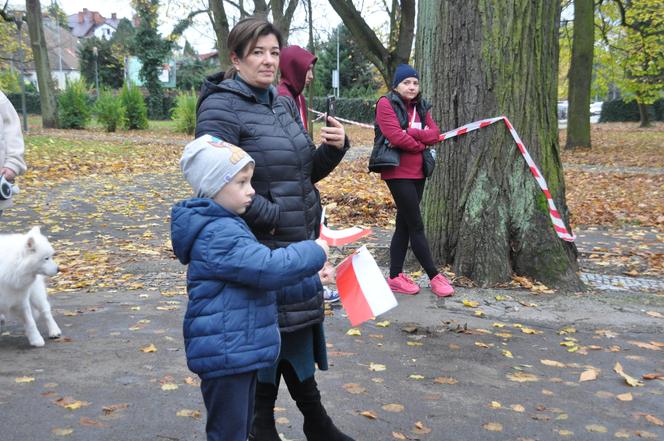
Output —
(330, 109)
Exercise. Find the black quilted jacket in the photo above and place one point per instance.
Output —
(286, 207)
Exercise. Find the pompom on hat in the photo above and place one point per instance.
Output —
(402, 72)
(209, 163)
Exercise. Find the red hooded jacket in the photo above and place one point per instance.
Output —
(293, 64)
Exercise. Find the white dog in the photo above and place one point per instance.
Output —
(25, 261)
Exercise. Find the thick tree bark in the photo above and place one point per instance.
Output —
(484, 212)
(580, 76)
(49, 109)
(282, 17)
(220, 25)
(402, 20)
(643, 115)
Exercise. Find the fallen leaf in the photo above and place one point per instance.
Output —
(655, 314)
(416, 377)
(653, 376)
(376, 367)
(150, 348)
(567, 330)
(24, 379)
(445, 380)
(654, 420)
(113, 407)
(471, 303)
(552, 363)
(498, 325)
(622, 434)
(282, 421)
(354, 388)
(628, 379)
(89, 422)
(59, 431)
(596, 428)
(627, 396)
(189, 413)
(420, 428)
(530, 331)
(383, 324)
(398, 435)
(369, 414)
(353, 331)
(70, 403)
(414, 343)
(169, 386)
(495, 405)
(493, 427)
(588, 375)
(522, 377)
(482, 345)
(393, 407)
(642, 345)
(507, 353)
(517, 408)
(564, 432)
(645, 434)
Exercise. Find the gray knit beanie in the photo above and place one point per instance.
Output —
(209, 163)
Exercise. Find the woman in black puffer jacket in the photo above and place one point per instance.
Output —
(242, 107)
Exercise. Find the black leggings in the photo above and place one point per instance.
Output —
(407, 194)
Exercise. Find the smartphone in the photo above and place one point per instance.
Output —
(330, 109)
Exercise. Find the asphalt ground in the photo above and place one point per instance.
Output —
(430, 369)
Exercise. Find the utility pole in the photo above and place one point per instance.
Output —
(95, 52)
(18, 17)
(338, 73)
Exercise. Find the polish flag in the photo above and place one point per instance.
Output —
(337, 238)
(362, 287)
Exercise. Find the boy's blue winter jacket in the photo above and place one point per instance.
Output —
(230, 325)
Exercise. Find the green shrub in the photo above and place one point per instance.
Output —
(109, 111)
(619, 110)
(136, 113)
(74, 106)
(184, 113)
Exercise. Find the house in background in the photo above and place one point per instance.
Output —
(62, 55)
(88, 23)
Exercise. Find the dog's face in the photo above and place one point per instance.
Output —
(41, 253)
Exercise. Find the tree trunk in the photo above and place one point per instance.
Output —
(483, 210)
(580, 75)
(49, 108)
(282, 18)
(221, 29)
(643, 115)
(385, 59)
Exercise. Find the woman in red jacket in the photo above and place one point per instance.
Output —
(403, 119)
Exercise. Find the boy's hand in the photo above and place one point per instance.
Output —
(324, 246)
(327, 274)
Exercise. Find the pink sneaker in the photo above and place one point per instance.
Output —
(403, 284)
(441, 286)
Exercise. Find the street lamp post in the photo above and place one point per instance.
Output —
(19, 21)
(95, 52)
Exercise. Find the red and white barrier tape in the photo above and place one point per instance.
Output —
(556, 218)
(321, 115)
(554, 214)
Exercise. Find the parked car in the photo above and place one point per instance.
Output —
(596, 108)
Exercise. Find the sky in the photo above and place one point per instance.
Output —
(200, 35)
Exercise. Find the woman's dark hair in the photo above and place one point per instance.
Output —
(244, 37)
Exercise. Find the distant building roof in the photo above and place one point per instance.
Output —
(84, 23)
(61, 46)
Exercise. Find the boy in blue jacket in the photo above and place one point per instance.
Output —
(230, 327)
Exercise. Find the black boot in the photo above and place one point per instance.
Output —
(318, 426)
(262, 426)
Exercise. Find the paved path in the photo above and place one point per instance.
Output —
(437, 371)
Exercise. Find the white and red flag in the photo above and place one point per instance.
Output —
(337, 238)
(363, 290)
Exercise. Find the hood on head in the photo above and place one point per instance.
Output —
(293, 64)
(188, 219)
